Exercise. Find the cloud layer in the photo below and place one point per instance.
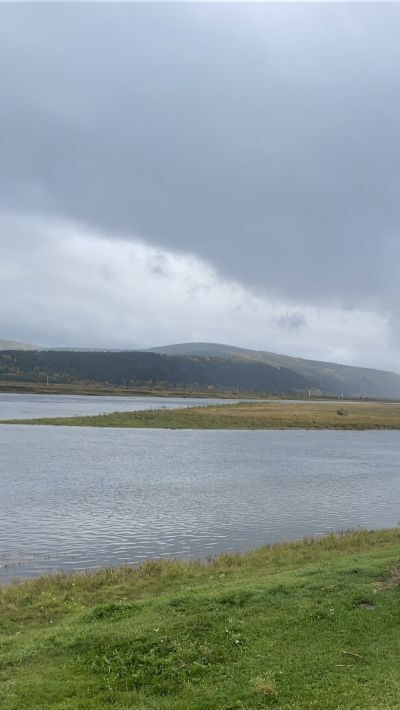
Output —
(71, 287)
(254, 148)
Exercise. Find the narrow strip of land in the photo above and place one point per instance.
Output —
(246, 415)
(107, 390)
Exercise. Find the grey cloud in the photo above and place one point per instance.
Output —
(263, 138)
(158, 265)
(291, 321)
(108, 274)
(62, 285)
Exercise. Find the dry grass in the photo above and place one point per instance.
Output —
(311, 414)
(393, 579)
(249, 415)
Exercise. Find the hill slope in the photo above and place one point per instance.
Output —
(328, 377)
(15, 345)
(301, 625)
(149, 370)
(197, 366)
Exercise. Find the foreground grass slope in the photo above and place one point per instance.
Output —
(295, 626)
(248, 415)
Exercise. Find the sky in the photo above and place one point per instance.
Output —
(172, 172)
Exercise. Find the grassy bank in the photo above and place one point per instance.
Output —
(248, 415)
(93, 389)
(296, 626)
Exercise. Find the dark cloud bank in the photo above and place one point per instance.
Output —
(262, 138)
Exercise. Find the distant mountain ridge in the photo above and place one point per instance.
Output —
(196, 366)
(150, 370)
(328, 377)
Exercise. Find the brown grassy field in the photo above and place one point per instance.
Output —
(249, 415)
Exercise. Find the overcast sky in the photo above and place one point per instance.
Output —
(215, 172)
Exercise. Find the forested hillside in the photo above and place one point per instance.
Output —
(328, 377)
(198, 366)
(150, 369)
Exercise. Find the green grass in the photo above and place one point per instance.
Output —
(305, 625)
(246, 415)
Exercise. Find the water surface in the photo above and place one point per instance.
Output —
(31, 406)
(78, 498)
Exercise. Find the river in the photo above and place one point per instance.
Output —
(78, 498)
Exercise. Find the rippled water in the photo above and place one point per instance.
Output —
(29, 406)
(75, 498)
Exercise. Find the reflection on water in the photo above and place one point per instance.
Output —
(77, 498)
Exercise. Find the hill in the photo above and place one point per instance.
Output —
(329, 378)
(196, 367)
(139, 369)
(15, 345)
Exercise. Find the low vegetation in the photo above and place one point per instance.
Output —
(247, 415)
(302, 625)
